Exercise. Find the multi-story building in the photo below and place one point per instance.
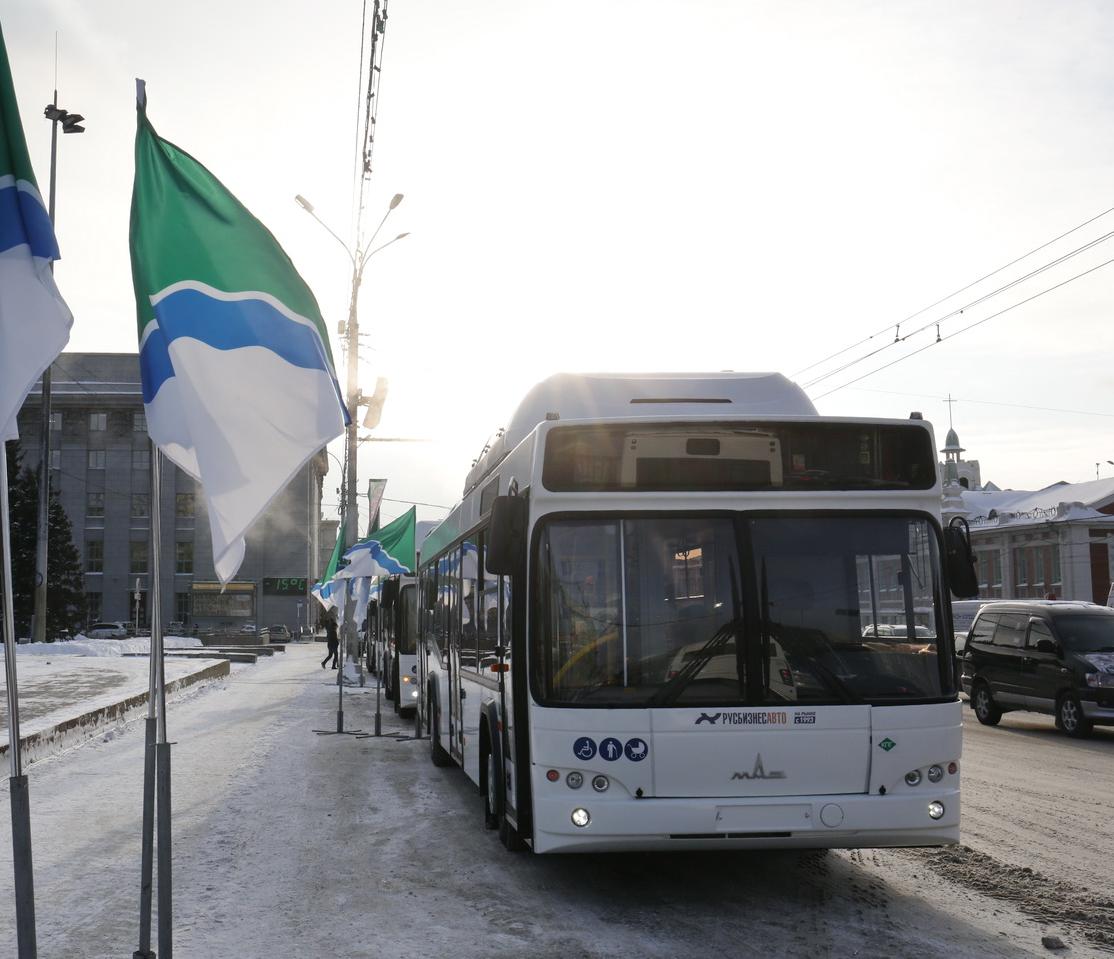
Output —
(100, 461)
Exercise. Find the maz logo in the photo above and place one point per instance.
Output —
(759, 772)
(705, 718)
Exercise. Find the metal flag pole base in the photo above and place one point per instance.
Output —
(24, 876)
(148, 855)
(165, 889)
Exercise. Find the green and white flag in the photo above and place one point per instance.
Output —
(238, 379)
(389, 551)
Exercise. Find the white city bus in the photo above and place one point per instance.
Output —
(650, 622)
(396, 648)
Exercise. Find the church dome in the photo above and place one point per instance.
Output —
(951, 443)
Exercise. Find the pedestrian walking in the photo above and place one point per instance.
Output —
(333, 641)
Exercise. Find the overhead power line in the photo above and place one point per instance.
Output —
(944, 299)
(967, 306)
(971, 326)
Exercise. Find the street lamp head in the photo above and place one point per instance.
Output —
(395, 200)
(304, 203)
(401, 235)
(54, 113)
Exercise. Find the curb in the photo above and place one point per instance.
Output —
(86, 725)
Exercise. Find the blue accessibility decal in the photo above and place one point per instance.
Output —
(611, 749)
(584, 748)
(636, 750)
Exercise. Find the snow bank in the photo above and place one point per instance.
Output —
(83, 646)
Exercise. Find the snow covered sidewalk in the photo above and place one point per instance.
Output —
(67, 691)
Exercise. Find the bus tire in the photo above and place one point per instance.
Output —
(493, 798)
(437, 754)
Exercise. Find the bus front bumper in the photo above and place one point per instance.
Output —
(622, 823)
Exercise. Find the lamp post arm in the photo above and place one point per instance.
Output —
(332, 233)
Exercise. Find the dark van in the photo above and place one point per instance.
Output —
(1047, 657)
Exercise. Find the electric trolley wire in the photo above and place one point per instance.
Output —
(944, 299)
(967, 306)
(971, 326)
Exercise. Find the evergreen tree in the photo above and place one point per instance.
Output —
(65, 595)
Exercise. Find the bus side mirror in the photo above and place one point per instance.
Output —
(506, 545)
(960, 559)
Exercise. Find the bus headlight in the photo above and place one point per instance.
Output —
(575, 780)
(600, 783)
(913, 777)
(936, 809)
(581, 817)
(413, 694)
(935, 773)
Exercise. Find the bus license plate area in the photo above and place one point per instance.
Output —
(763, 818)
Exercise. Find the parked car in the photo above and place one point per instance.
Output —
(1053, 657)
(107, 631)
(279, 633)
(248, 628)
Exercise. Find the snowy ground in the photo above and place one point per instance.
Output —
(60, 681)
(289, 844)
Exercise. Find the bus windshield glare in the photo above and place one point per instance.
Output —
(722, 610)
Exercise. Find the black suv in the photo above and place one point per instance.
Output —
(1048, 657)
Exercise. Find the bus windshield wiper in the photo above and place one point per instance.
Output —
(693, 665)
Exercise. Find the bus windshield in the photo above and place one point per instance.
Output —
(738, 610)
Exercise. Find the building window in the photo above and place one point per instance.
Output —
(96, 459)
(94, 556)
(183, 557)
(183, 505)
(55, 459)
(1054, 576)
(139, 422)
(140, 505)
(55, 422)
(138, 557)
(1021, 572)
(94, 505)
(98, 422)
(93, 606)
(182, 607)
(141, 459)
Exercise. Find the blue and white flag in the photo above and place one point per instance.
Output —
(238, 378)
(34, 320)
(388, 552)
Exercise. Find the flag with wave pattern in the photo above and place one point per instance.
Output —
(238, 378)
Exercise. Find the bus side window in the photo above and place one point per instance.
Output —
(488, 618)
(439, 618)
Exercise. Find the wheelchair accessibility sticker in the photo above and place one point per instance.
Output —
(584, 748)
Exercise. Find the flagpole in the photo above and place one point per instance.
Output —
(17, 783)
(162, 747)
(150, 734)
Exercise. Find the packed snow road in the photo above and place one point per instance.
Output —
(289, 844)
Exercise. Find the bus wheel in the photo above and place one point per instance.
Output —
(437, 754)
(493, 806)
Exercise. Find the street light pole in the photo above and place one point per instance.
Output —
(359, 259)
(71, 123)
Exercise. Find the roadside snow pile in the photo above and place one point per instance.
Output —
(83, 646)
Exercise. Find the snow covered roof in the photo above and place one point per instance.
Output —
(1058, 502)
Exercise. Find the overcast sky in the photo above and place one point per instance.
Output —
(637, 186)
